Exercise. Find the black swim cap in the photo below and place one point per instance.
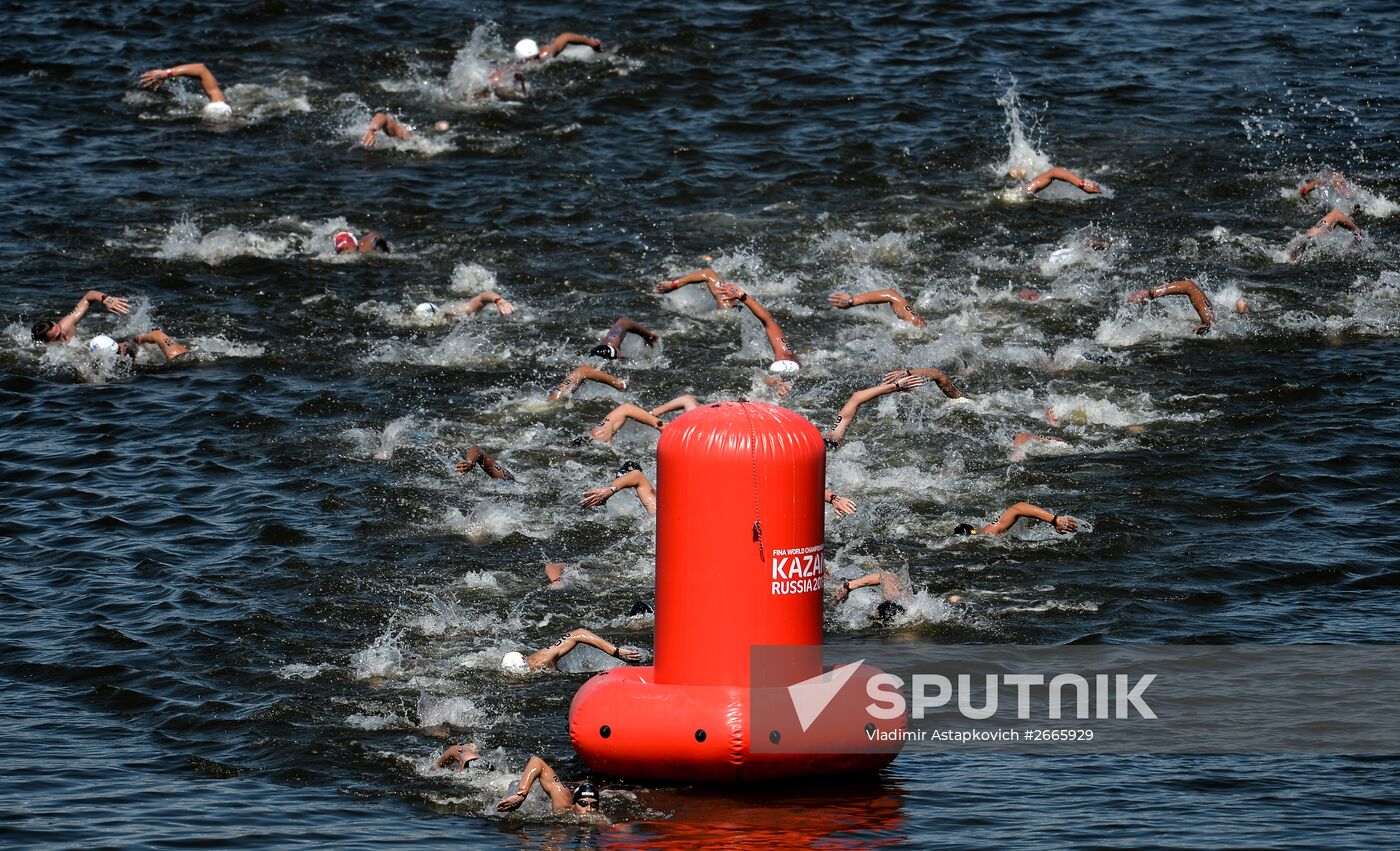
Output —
(602, 350)
(585, 790)
(965, 529)
(639, 608)
(889, 609)
(627, 467)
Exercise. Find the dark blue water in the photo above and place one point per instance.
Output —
(246, 600)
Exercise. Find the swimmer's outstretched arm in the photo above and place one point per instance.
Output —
(475, 456)
(1046, 178)
(937, 376)
(848, 411)
(560, 798)
(563, 40)
(458, 754)
(624, 326)
(552, 655)
(776, 339)
(706, 276)
(684, 402)
(1333, 219)
(845, 506)
(618, 417)
(1008, 518)
(476, 303)
(898, 303)
(888, 582)
(389, 124)
(1187, 288)
(69, 323)
(156, 77)
(646, 494)
(164, 342)
(581, 373)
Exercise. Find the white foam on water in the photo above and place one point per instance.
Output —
(388, 721)
(302, 671)
(383, 658)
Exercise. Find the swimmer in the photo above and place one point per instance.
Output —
(1328, 179)
(580, 800)
(903, 384)
(890, 589)
(611, 345)
(706, 276)
(628, 476)
(218, 106)
(1187, 288)
(476, 456)
(582, 373)
(898, 303)
(393, 127)
(1023, 441)
(783, 358)
(547, 659)
(1046, 178)
(346, 242)
(62, 331)
(554, 572)
(605, 431)
(527, 50)
(937, 376)
(1060, 522)
(1326, 224)
(1028, 294)
(476, 303)
(844, 506)
(457, 756)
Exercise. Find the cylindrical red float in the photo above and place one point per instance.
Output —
(739, 550)
(739, 540)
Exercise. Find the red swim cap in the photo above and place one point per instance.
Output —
(345, 241)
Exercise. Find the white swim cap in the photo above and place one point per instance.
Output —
(514, 663)
(427, 308)
(102, 344)
(526, 48)
(785, 366)
(218, 110)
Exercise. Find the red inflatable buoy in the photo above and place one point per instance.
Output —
(739, 548)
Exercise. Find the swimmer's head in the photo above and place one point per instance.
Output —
(526, 49)
(441, 126)
(964, 529)
(45, 331)
(603, 350)
(514, 663)
(626, 467)
(784, 366)
(345, 241)
(218, 110)
(640, 608)
(102, 344)
(586, 797)
(427, 308)
(1241, 306)
(888, 610)
(1017, 173)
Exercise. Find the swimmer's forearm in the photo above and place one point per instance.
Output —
(939, 377)
(865, 581)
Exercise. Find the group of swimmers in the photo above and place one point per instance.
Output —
(509, 82)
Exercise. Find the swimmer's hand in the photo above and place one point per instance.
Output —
(1090, 187)
(368, 139)
(510, 802)
(842, 592)
(505, 307)
(1140, 296)
(1065, 524)
(906, 382)
(665, 287)
(1203, 328)
(597, 497)
(154, 78)
(464, 467)
(841, 301)
(627, 654)
(111, 302)
(844, 505)
(459, 754)
(730, 294)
